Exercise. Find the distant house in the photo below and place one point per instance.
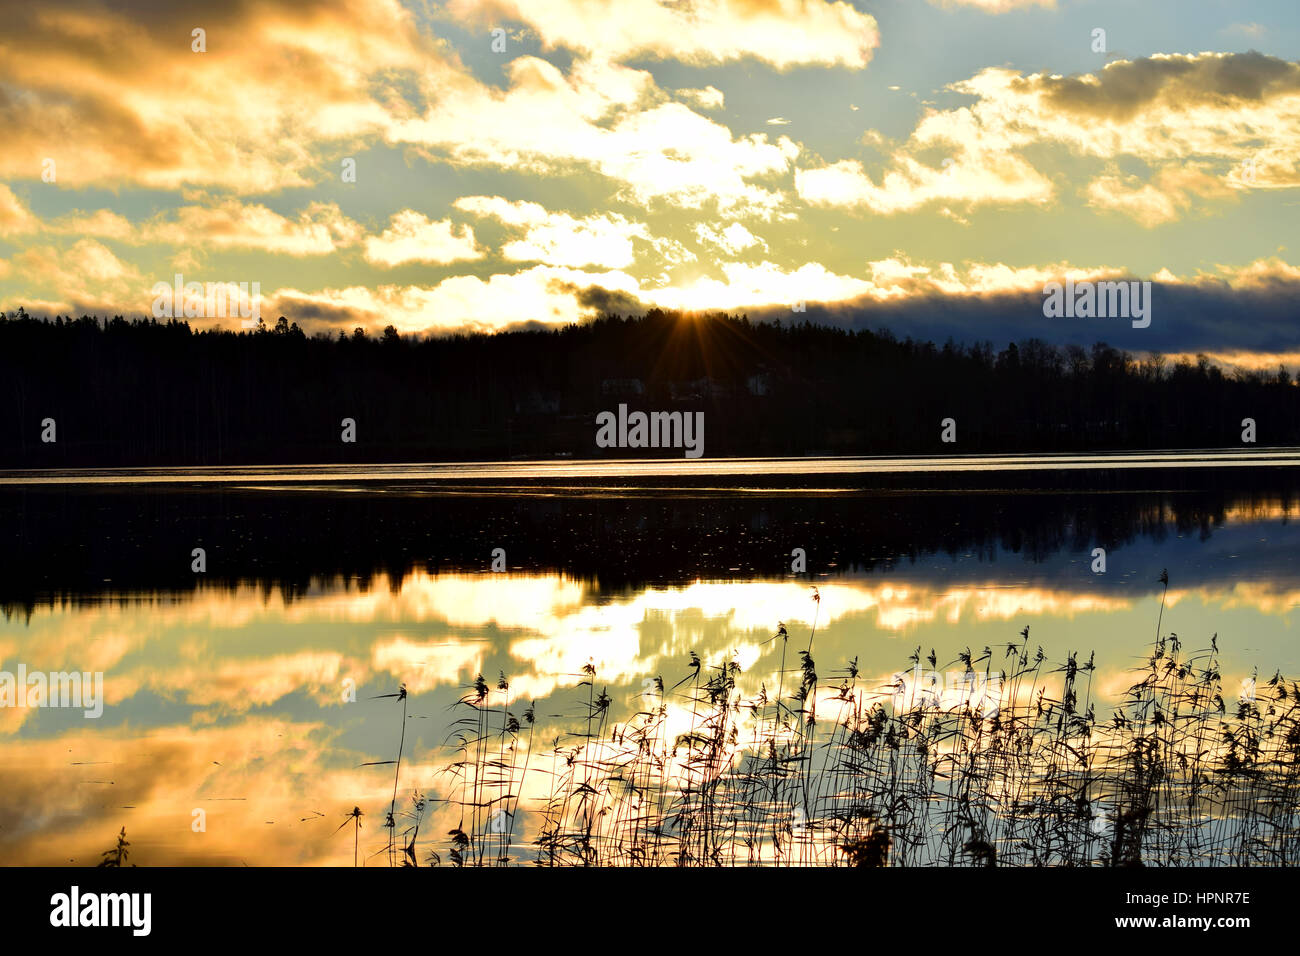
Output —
(622, 386)
(695, 389)
(689, 391)
(538, 402)
(760, 383)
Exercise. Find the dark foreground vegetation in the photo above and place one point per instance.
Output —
(148, 393)
(844, 770)
(847, 770)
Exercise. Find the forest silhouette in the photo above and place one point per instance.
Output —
(147, 392)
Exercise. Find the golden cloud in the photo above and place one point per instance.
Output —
(996, 6)
(559, 239)
(605, 117)
(781, 33)
(412, 237)
(275, 79)
(1203, 123)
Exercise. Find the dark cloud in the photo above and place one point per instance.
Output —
(608, 300)
(1184, 318)
(311, 312)
(1123, 89)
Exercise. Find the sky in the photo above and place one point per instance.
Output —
(477, 165)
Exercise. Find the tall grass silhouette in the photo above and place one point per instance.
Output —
(854, 772)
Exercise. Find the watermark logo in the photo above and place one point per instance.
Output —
(652, 691)
(81, 689)
(1248, 691)
(651, 430)
(930, 690)
(133, 910)
(208, 300)
(1100, 300)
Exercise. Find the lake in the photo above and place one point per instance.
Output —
(643, 697)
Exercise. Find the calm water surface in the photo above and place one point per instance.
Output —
(252, 692)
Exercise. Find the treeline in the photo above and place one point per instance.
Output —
(145, 392)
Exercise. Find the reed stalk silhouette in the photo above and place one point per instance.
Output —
(391, 823)
(353, 817)
(904, 773)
